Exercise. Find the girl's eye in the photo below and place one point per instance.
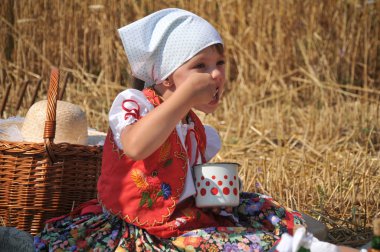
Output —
(201, 65)
(221, 62)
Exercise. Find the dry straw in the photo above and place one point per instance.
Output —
(301, 111)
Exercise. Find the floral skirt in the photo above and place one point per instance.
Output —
(260, 221)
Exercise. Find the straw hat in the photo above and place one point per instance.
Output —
(71, 123)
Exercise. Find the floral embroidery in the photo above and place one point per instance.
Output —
(152, 96)
(165, 157)
(225, 239)
(165, 151)
(107, 232)
(192, 241)
(151, 188)
(166, 190)
(139, 179)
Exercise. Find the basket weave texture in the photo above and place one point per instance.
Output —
(39, 181)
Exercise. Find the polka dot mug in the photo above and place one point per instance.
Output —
(217, 185)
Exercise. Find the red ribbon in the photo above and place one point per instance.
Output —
(135, 112)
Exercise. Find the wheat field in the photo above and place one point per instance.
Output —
(301, 110)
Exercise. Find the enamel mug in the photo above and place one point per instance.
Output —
(217, 185)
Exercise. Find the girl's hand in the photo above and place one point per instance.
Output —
(201, 88)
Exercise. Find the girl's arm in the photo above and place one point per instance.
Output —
(142, 138)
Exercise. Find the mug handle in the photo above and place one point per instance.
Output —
(240, 185)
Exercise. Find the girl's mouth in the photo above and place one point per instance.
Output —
(215, 98)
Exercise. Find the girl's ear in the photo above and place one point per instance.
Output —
(167, 83)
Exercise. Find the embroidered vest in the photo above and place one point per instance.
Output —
(146, 192)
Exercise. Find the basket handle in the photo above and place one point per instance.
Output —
(51, 108)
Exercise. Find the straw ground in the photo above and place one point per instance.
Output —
(301, 111)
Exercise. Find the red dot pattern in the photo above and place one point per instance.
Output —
(203, 192)
(235, 191)
(227, 190)
(214, 191)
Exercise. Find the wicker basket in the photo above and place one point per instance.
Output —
(39, 181)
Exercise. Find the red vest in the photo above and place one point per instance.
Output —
(146, 192)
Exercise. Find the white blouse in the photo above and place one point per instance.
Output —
(131, 104)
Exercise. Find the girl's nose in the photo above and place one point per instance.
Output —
(217, 74)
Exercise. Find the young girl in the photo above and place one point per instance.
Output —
(146, 189)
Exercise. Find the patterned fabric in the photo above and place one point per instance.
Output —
(146, 192)
(261, 223)
(159, 43)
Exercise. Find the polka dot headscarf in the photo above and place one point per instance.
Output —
(159, 43)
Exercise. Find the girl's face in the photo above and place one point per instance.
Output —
(209, 60)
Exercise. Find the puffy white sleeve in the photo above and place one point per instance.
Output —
(213, 142)
(128, 107)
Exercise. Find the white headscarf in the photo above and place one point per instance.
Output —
(159, 43)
